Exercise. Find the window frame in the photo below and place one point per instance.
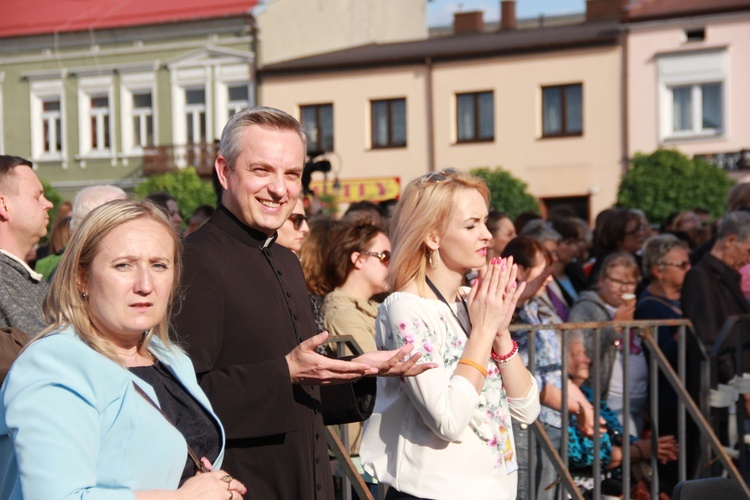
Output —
(134, 83)
(41, 91)
(89, 88)
(477, 122)
(319, 127)
(235, 106)
(693, 70)
(696, 116)
(390, 144)
(563, 111)
(195, 110)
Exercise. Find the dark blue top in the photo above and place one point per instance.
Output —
(652, 306)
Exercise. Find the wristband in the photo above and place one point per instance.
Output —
(473, 364)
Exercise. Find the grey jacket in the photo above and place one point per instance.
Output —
(21, 297)
(591, 307)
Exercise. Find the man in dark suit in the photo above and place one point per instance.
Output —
(711, 292)
(248, 324)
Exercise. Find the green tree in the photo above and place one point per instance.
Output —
(667, 181)
(55, 198)
(185, 185)
(508, 193)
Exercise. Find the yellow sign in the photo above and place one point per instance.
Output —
(351, 190)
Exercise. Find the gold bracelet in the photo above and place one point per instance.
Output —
(473, 364)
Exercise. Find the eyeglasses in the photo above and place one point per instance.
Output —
(638, 229)
(441, 176)
(384, 256)
(682, 265)
(297, 220)
(622, 284)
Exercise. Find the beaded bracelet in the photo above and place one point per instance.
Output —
(501, 360)
(473, 364)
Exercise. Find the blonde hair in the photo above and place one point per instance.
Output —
(619, 259)
(426, 206)
(64, 305)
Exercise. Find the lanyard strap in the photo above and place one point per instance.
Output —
(198, 464)
(442, 299)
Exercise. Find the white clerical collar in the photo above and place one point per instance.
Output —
(34, 275)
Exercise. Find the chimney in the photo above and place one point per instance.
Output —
(507, 15)
(468, 22)
(600, 10)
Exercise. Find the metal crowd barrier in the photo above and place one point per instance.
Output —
(711, 448)
(339, 446)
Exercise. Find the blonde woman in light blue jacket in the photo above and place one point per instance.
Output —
(101, 404)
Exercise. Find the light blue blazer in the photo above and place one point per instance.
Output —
(73, 426)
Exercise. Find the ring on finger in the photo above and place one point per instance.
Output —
(231, 495)
(227, 479)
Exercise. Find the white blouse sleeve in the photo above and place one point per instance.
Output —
(526, 409)
(445, 402)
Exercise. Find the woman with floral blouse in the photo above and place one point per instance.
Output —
(447, 432)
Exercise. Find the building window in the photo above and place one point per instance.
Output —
(238, 98)
(95, 117)
(562, 110)
(195, 115)
(99, 119)
(388, 123)
(143, 120)
(99, 116)
(692, 95)
(51, 126)
(697, 109)
(48, 134)
(476, 116)
(317, 122)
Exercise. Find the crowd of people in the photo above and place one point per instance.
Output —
(143, 359)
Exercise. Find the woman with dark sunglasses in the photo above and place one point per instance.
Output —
(294, 229)
(357, 265)
(447, 433)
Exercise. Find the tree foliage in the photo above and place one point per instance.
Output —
(667, 181)
(185, 185)
(508, 194)
(55, 198)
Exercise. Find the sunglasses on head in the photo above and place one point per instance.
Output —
(384, 256)
(297, 220)
(441, 176)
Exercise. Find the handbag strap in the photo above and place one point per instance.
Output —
(198, 464)
(661, 300)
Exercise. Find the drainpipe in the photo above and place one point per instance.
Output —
(430, 118)
(254, 75)
(625, 142)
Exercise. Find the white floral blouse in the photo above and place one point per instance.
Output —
(432, 435)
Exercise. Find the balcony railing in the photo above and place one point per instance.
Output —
(730, 161)
(162, 159)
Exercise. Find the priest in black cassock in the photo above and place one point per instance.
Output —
(247, 323)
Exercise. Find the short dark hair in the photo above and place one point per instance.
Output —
(524, 251)
(7, 164)
(493, 220)
(566, 227)
(203, 211)
(160, 200)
